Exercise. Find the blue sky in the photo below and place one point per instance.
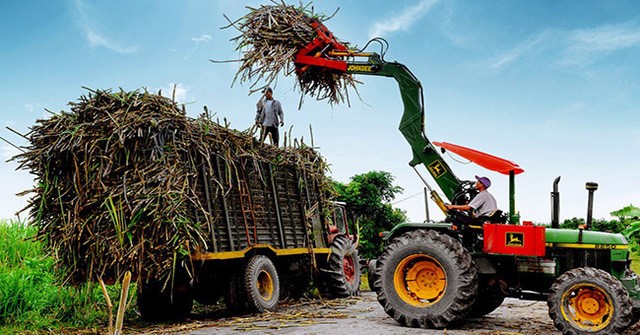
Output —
(551, 85)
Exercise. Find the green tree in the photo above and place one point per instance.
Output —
(612, 226)
(368, 198)
(630, 220)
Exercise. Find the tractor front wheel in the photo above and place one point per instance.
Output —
(589, 301)
(426, 279)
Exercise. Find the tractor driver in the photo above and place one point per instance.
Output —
(483, 204)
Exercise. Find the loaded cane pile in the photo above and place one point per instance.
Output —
(270, 36)
(117, 182)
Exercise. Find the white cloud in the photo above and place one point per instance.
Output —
(404, 21)
(93, 36)
(181, 92)
(7, 151)
(524, 49)
(201, 38)
(579, 47)
(584, 45)
(29, 107)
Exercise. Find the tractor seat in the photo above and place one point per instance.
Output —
(496, 216)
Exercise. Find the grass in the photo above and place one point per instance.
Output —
(32, 300)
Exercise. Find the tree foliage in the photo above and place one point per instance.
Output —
(368, 198)
(610, 226)
(627, 224)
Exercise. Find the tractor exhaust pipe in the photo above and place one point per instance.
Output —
(555, 204)
(591, 187)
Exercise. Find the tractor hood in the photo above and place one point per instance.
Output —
(590, 239)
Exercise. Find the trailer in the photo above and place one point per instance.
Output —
(272, 233)
(193, 209)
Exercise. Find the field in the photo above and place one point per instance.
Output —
(32, 299)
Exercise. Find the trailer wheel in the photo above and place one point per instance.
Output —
(341, 278)
(207, 290)
(158, 304)
(296, 284)
(261, 284)
(589, 301)
(234, 298)
(426, 279)
(371, 275)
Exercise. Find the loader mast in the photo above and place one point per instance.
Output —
(412, 121)
(325, 53)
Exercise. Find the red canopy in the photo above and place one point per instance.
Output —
(490, 162)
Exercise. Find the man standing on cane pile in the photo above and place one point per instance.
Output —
(269, 115)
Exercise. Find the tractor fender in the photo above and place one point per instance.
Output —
(402, 228)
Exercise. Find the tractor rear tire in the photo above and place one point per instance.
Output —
(341, 278)
(261, 284)
(158, 303)
(589, 301)
(426, 279)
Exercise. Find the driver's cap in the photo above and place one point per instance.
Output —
(485, 181)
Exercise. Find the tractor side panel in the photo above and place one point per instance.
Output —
(506, 239)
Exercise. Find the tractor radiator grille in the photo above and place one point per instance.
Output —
(575, 258)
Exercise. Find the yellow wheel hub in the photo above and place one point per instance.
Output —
(588, 307)
(420, 280)
(265, 285)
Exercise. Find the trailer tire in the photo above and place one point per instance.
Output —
(371, 275)
(207, 291)
(234, 298)
(295, 285)
(589, 301)
(341, 278)
(158, 304)
(426, 279)
(261, 284)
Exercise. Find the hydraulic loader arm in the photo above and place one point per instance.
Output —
(327, 53)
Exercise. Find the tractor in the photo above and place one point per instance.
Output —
(433, 274)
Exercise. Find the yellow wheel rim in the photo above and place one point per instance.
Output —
(587, 306)
(420, 280)
(265, 285)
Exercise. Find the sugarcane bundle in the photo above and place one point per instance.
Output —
(119, 183)
(270, 36)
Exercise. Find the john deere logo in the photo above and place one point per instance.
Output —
(360, 68)
(515, 239)
(437, 169)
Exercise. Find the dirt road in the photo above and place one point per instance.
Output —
(362, 316)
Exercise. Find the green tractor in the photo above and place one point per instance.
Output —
(432, 274)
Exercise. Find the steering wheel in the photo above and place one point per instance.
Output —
(465, 191)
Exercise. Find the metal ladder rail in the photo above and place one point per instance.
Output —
(248, 213)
